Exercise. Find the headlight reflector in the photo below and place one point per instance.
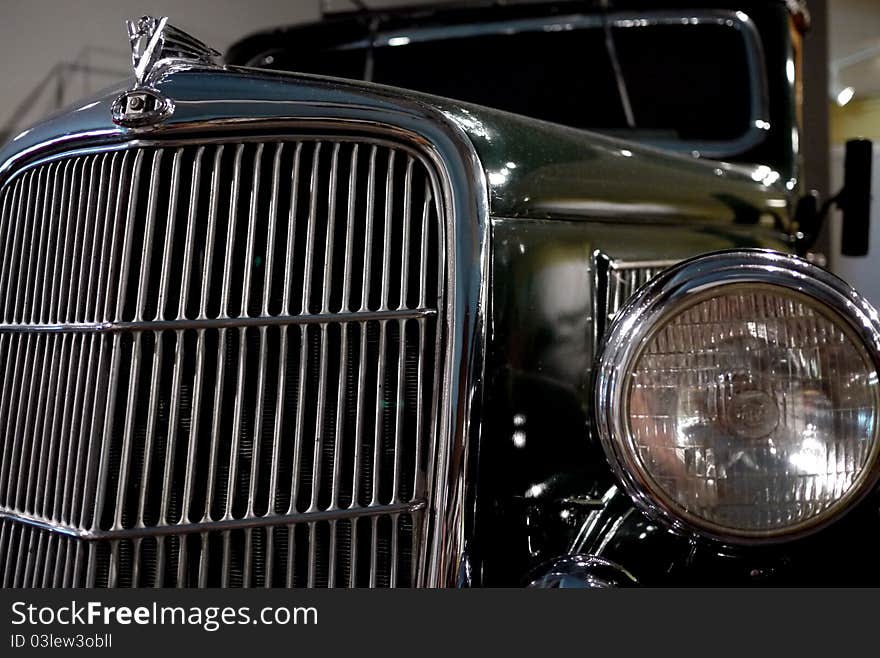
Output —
(738, 396)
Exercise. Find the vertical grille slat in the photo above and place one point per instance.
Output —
(23, 209)
(10, 403)
(222, 365)
(192, 467)
(41, 292)
(10, 197)
(62, 247)
(51, 427)
(35, 494)
(28, 255)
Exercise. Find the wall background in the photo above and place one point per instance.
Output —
(854, 60)
(35, 35)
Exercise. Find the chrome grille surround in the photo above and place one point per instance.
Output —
(122, 349)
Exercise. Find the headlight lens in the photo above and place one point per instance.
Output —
(745, 398)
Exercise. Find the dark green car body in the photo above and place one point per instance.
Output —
(545, 215)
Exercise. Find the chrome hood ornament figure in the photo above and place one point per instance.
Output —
(157, 48)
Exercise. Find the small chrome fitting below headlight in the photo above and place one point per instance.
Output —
(580, 571)
(737, 396)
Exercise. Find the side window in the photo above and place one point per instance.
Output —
(686, 81)
(560, 76)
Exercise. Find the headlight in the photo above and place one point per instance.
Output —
(738, 396)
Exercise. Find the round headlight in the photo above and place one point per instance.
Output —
(738, 396)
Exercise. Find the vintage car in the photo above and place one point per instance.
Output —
(496, 295)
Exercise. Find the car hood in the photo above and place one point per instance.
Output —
(533, 169)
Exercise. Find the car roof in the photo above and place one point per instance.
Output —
(353, 26)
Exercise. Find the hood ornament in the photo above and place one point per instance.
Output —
(157, 49)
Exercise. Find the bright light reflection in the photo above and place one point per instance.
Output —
(535, 490)
(467, 121)
(845, 96)
(498, 177)
(811, 457)
(765, 175)
(760, 172)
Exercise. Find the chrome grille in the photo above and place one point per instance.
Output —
(624, 278)
(221, 365)
(617, 281)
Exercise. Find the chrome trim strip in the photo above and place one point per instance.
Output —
(224, 524)
(180, 324)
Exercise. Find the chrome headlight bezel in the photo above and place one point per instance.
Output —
(675, 288)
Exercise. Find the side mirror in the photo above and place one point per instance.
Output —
(855, 198)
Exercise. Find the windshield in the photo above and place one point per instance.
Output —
(690, 83)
